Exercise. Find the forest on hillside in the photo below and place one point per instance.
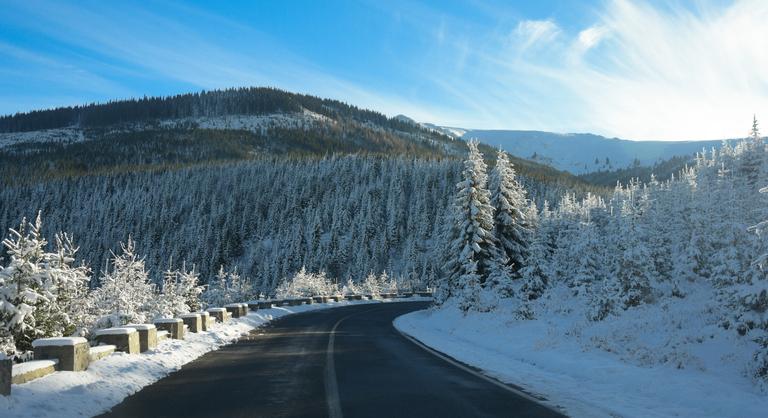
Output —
(243, 101)
(268, 217)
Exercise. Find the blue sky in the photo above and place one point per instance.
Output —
(638, 70)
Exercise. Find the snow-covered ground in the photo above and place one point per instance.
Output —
(653, 361)
(108, 381)
(63, 135)
(253, 123)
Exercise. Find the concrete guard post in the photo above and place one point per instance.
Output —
(266, 304)
(174, 326)
(125, 339)
(193, 321)
(6, 374)
(147, 336)
(234, 309)
(206, 320)
(72, 352)
(220, 314)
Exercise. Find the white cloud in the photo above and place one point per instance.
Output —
(531, 32)
(674, 74)
(636, 71)
(591, 36)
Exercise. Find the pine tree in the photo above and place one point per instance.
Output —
(126, 295)
(23, 287)
(509, 202)
(472, 255)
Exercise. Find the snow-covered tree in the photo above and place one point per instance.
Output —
(23, 287)
(350, 288)
(472, 255)
(38, 289)
(510, 206)
(226, 287)
(180, 293)
(126, 295)
(535, 277)
(306, 284)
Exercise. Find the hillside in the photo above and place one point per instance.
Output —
(217, 126)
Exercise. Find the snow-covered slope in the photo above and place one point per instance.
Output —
(252, 123)
(661, 361)
(584, 153)
(578, 153)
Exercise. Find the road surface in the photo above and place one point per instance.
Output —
(342, 362)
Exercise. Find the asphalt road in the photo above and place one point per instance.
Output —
(347, 361)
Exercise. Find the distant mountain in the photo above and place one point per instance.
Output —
(580, 153)
(219, 126)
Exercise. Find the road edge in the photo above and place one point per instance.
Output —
(516, 390)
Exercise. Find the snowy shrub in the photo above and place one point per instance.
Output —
(350, 288)
(376, 285)
(226, 287)
(180, 294)
(304, 284)
(125, 295)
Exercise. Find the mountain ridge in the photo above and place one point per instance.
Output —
(580, 153)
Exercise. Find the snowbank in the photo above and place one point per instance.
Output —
(646, 363)
(107, 382)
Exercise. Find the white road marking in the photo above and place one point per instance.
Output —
(331, 385)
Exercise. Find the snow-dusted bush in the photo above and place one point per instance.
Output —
(350, 288)
(304, 284)
(226, 287)
(376, 285)
(180, 294)
(125, 295)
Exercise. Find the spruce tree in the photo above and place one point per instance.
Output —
(472, 256)
(509, 203)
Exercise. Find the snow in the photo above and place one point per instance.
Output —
(102, 348)
(167, 320)
(108, 381)
(215, 310)
(61, 135)
(190, 315)
(116, 331)
(30, 366)
(233, 305)
(160, 334)
(252, 123)
(60, 341)
(142, 327)
(657, 362)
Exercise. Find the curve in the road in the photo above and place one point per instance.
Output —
(347, 361)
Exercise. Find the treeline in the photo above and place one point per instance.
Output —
(661, 171)
(235, 101)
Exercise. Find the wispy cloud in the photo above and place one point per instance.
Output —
(626, 69)
(143, 44)
(532, 32)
